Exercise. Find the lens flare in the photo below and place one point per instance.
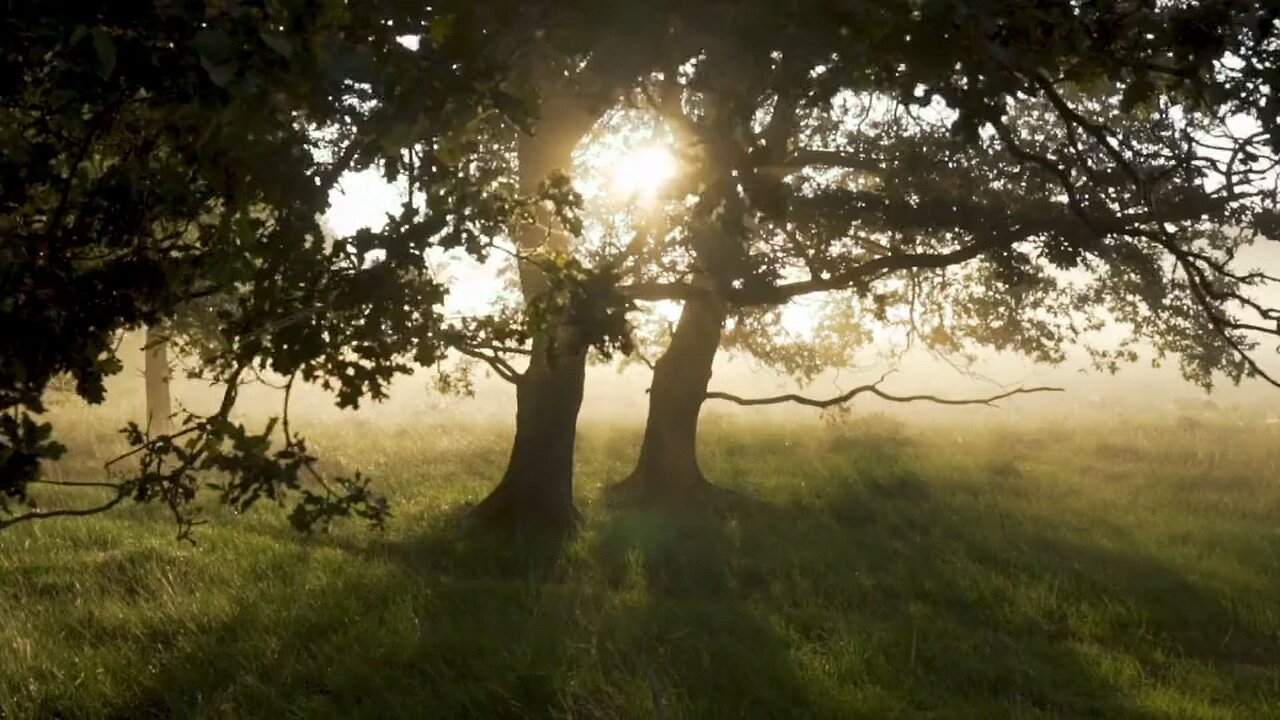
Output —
(640, 174)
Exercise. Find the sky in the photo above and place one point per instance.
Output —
(625, 163)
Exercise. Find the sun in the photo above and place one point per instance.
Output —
(640, 174)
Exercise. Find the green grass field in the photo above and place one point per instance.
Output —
(1116, 570)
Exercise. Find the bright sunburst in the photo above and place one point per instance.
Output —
(641, 173)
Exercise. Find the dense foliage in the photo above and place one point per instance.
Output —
(1006, 173)
(170, 157)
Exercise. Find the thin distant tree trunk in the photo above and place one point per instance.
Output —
(668, 464)
(156, 374)
(536, 491)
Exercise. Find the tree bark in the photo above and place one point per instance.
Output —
(156, 374)
(668, 464)
(536, 491)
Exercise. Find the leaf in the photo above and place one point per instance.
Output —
(1137, 93)
(105, 48)
(440, 30)
(221, 75)
(217, 55)
(355, 63)
(278, 43)
(214, 45)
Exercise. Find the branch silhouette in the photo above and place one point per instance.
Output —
(874, 389)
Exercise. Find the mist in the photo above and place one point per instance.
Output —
(617, 395)
(595, 359)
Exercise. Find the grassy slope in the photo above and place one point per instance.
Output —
(1119, 571)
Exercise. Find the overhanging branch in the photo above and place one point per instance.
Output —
(122, 491)
(867, 271)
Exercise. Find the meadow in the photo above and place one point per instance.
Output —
(862, 569)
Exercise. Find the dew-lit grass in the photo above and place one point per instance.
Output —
(868, 569)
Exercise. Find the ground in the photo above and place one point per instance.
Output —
(864, 569)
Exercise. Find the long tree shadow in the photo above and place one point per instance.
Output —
(881, 594)
(445, 625)
(963, 607)
(873, 593)
(688, 625)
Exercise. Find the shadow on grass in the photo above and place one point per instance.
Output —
(886, 595)
(877, 595)
(707, 649)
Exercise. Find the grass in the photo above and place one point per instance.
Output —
(1112, 571)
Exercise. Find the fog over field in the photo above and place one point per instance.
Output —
(616, 394)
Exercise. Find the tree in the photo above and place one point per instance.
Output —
(761, 81)
(582, 57)
(536, 490)
(160, 155)
(988, 155)
(1012, 141)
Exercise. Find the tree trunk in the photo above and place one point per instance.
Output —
(536, 492)
(668, 463)
(156, 374)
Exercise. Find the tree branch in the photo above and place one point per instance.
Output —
(806, 157)
(874, 389)
(122, 491)
(866, 271)
(503, 368)
(655, 291)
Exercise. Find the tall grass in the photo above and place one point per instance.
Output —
(866, 569)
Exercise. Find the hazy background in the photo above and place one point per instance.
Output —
(617, 394)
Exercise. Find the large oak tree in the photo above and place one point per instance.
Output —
(1000, 174)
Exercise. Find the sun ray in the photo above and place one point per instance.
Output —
(640, 174)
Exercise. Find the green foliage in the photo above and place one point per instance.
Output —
(1002, 174)
(174, 160)
(583, 301)
(941, 163)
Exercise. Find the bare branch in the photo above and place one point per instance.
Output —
(76, 484)
(503, 368)
(122, 491)
(874, 389)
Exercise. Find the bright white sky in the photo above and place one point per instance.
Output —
(362, 200)
(624, 162)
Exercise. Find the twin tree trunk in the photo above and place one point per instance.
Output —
(156, 372)
(668, 465)
(536, 491)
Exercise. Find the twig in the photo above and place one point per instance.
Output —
(503, 368)
(76, 483)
